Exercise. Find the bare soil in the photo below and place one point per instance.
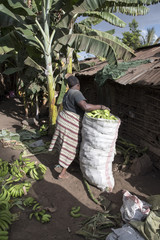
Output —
(62, 195)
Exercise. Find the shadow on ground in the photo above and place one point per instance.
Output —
(61, 226)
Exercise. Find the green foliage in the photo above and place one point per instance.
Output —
(110, 72)
(149, 38)
(132, 39)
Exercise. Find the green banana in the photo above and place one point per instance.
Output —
(105, 114)
(10, 179)
(36, 206)
(31, 174)
(29, 201)
(4, 237)
(37, 216)
(35, 174)
(31, 215)
(3, 194)
(43, 168)
(74, 212)
(3, 225)
(42, 212)
(3, 169)
(3, 233)
(45, 218)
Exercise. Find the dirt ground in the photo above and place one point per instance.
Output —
(64, 194)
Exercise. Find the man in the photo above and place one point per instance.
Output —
(67, 136)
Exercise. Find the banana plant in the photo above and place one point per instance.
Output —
(50, 27)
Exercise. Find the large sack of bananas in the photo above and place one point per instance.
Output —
(99, 135)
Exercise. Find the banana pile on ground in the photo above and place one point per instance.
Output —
(38, 211)
(15, 182)
(6, 217)
(3, 235)
(20, 169)
(104, 114)
(19, 189)
(37, 171)
(129, 151)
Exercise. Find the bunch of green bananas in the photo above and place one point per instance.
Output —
(4, 195)
(9, 179)
(5, 219)
(105, 114)
(3, 168)
(37, 172)
(41, 216)
(19, 189)
(27, 166)
(20, 168)
(45, 217)
(38, 212)
(25, 163)
(16, 171)
(3, 235)
(29, 201)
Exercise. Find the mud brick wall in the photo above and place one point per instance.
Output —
(88, 88)
(138, 107)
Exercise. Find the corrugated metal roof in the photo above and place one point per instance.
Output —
(91, 70)
(145, 74)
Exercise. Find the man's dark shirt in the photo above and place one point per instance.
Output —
(71, 100)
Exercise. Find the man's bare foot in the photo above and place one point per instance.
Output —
(63, 176)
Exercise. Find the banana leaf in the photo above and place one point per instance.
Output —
(8, 43)
(4, 57)
(88, 44)
(8, 18)
(10, 71)
(106, 16)
(18, 7)
(122, 51)
(30, 62)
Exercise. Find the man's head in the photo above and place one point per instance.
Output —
(73, 82)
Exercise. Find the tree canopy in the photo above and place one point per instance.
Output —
(132, 39)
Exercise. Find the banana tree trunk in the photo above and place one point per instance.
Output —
(63, 85)
(69, 60)
(48, 60)
(51, 91)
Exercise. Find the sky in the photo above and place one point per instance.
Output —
(152, 19)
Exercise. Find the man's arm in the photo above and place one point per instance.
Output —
(87, 107)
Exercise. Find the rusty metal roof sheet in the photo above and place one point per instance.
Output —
(145, 74)
(91, 70)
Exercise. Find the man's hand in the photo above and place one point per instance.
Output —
(104, 108)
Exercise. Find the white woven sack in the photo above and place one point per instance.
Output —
(97, 150)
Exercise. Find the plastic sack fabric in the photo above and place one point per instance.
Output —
(97, 151)
(126, 232)
(133, 208)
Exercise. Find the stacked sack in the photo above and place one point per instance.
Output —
(99, 135)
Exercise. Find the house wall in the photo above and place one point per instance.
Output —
(139, 110)
(88, 88)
